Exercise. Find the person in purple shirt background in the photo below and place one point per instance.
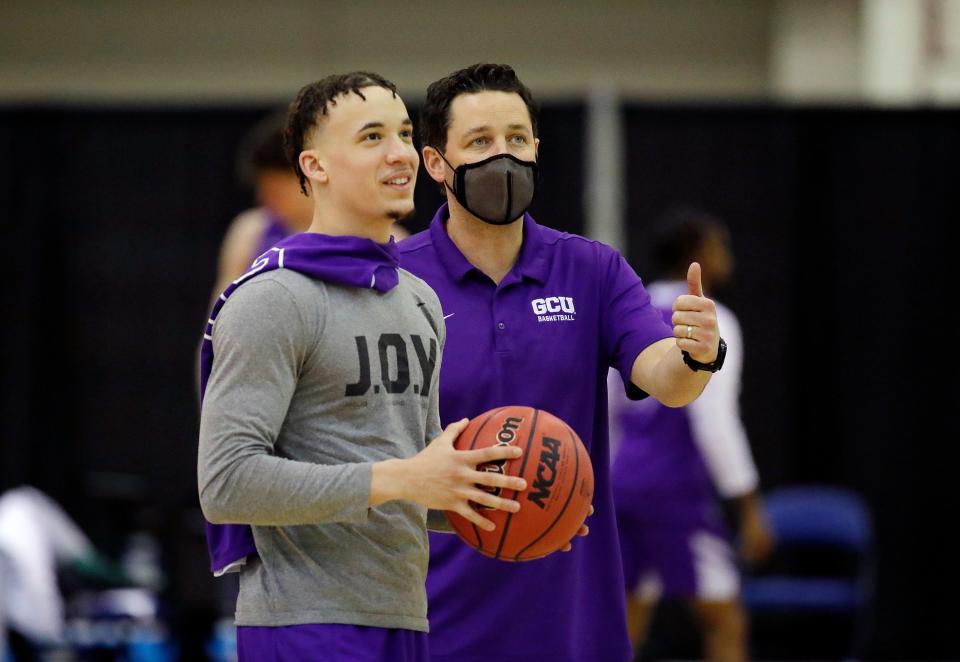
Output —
(672, 464)
(535, 317)
(282, 209)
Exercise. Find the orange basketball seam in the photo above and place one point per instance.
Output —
(523, 466)
(473, 443)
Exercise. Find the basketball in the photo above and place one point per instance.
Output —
(559, 476)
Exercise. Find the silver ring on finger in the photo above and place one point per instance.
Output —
(689, 332)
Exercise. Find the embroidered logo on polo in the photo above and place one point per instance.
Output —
(554, 309)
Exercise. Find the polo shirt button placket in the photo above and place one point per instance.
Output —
(501, 339)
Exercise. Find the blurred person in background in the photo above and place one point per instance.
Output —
(671, 464)
(534, 317)
(282, 207)
(39, 542)
(319, 389)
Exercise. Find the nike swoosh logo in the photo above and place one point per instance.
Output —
(450, 315)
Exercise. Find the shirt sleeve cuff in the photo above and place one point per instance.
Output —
(356, 509)
(632, 347)
(437, 521)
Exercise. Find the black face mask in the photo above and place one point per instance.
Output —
(497, 190)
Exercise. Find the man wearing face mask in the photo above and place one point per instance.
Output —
(535, 317)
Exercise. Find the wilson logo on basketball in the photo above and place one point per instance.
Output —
(506, 436)
(546, 472)
(508, 431)
(554, 309)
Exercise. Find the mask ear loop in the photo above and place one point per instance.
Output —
(454, 170)
(458, 176)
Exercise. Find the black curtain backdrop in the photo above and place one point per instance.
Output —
(839, 220)
(112, 219)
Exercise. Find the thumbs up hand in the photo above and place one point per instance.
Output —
(695, 320)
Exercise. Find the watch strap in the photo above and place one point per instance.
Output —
(695, 365)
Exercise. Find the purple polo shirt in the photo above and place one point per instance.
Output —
(544, 337)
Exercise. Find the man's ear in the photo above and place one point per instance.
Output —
(313, 166)
(536, 149)
(434, 164)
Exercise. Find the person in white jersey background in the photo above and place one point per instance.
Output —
(671, 465)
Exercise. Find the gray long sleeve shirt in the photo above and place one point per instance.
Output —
(313, 383)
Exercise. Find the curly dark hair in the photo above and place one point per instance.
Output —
(313, 100)
(481, 77)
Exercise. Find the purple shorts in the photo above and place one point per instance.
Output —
(330, 642)
(680, 554)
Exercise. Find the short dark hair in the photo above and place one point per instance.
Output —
(676, 235)
(262, 148)
(481, 77)
(313, 100)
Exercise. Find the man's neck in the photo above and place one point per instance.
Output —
(338, 225)
(493, 249)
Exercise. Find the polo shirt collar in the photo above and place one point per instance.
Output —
(531, 263)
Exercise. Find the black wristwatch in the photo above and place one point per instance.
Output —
(709, 367)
